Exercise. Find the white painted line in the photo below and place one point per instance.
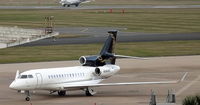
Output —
(183, 78)
(188, 86)
(84, 30)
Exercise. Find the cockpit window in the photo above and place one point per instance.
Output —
(23, 76)
(30, 76)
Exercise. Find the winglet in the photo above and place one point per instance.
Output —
(182, 78)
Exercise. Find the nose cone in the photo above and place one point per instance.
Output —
(17, 85)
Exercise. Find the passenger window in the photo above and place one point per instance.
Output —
(30, 76)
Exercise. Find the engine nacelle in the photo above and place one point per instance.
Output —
(97, 71)
(103, 72)
(91, 61)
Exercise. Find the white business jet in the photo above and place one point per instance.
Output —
(68, 3)
(94, 70)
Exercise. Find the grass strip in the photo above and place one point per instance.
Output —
(135, 20)
(74, 51)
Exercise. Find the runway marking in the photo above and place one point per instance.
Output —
(188, 86)
(184, 76)
(84, 30)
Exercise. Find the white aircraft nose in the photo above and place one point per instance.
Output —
(16, 85)
(12, 85)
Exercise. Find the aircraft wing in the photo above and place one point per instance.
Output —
(135, 83)
(127, 83)
(118, 84)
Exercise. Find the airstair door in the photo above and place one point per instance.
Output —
(39, 80)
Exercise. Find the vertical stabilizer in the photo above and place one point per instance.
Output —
(109, 45)
(107, 52)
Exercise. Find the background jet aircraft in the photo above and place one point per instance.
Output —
(94, 70)
(68, 3)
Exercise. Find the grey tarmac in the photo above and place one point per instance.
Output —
(153, 69)
(99, 34)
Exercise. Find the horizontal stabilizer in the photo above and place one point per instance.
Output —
(131, 57)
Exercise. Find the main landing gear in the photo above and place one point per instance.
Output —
(61, 93)
(64, 5)
(76, 5)
(89, 92)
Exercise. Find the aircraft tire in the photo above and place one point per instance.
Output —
(27, 98)
(64, 5)
(77, 5)
(88, 92)
(61, 93)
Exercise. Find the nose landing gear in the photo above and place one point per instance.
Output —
(28, 96)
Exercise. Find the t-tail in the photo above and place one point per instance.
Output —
(107, 51)
(106, 55)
